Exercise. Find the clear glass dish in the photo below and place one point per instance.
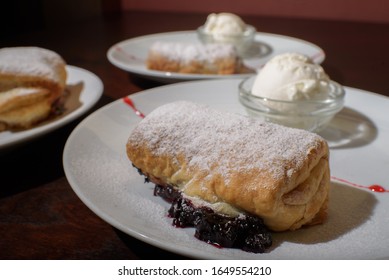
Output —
(242, 42)
(311, 115)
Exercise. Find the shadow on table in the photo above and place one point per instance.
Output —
(145, 251)
(38, 161)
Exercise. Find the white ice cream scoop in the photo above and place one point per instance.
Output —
(224, 24)
(290, 77)
(292, 90)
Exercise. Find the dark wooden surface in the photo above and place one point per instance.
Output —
(40, 215)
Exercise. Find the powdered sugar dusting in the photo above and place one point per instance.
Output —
(193, 52)
(31, 61)
(234, 142)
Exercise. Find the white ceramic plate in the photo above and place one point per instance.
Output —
(84, 89)
(130, 55)
(98, 170)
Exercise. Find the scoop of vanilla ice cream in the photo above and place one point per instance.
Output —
(224, 24)
(291, 77)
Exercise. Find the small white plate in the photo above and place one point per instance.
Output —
(85, 89)
(98, 170)
(130, 55)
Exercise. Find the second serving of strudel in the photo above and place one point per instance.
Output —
(217, 59)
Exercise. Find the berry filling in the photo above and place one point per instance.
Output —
(245, 232)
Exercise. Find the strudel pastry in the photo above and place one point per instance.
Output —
(234, 165)
(221, 59)
(32, 80)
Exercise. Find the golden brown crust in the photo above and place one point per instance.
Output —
(286, 200)
(31, 80)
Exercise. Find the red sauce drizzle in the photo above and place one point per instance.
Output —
(130, 103)
(377, 188)
(373, 188)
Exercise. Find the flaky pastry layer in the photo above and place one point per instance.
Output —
(279, 174)
(31, 80)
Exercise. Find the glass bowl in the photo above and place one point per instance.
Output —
(311, 115)
(242, 42)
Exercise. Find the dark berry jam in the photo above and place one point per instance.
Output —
(245, 232)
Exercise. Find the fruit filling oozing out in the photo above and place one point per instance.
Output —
(245, 232)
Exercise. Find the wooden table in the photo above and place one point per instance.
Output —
(40, 215)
